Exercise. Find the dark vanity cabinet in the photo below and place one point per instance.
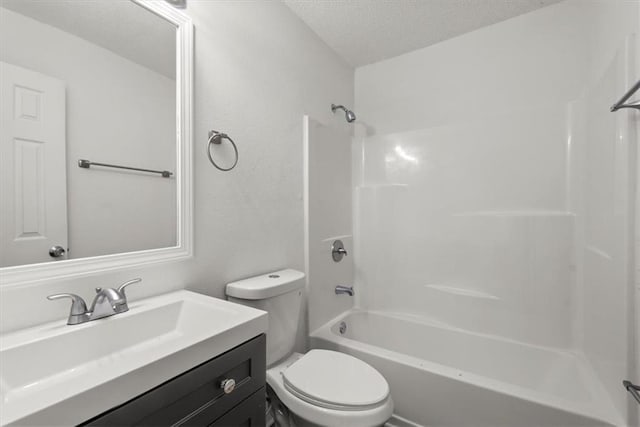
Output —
(198, 398)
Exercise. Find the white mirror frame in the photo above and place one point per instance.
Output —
(19, 275)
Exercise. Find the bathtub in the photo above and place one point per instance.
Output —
(441, 376)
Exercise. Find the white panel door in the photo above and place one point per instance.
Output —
(33, 195)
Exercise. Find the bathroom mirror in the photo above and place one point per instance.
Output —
(96, 136)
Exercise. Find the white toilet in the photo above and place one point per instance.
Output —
(321, 387)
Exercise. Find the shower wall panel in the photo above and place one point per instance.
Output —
(467, 224)
(327, 192)
(494, 189)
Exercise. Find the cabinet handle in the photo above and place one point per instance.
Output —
(228, 385)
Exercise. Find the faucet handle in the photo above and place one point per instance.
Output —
(78, 306)
(338, 251)
(127, 283)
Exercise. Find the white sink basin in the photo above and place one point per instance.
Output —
(56, 374)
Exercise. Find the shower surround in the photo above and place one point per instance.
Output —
(493, 209)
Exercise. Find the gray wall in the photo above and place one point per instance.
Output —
(258, 69)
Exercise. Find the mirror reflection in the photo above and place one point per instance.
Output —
(85, 81)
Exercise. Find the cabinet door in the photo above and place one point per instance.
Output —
(250, 413)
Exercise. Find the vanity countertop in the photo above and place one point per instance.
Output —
(56, 374)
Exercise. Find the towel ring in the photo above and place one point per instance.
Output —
(216, 137)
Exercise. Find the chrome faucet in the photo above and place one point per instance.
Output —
(107, 302)
(340, 289)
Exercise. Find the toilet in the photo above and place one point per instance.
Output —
(321, 387)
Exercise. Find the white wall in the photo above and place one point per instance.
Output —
(606, 175)
(635, 376)
(328, 218)
(462, 228)
(494, 187)
(635, 354)
(117, 112)
(605, 221)
(258, 70)
(533, 62)
(466, 171)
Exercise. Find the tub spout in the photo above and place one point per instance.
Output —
(340, 289)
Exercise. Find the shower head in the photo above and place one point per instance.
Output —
(348, 114)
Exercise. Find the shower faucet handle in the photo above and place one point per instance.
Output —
(338, 251)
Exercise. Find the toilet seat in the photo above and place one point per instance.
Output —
(335, 380)
(328, 411)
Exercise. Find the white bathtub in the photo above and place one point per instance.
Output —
(441, 376)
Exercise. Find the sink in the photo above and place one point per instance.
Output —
(56, 374)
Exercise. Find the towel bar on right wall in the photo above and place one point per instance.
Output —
(621, 103)
(633, 389)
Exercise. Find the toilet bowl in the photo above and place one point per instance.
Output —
(321, 387)
(327, 388)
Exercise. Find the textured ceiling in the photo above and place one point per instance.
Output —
(367, 31)
(122, 27)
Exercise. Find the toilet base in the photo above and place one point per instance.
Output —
(280, 416)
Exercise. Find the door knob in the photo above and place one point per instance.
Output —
(56, 251)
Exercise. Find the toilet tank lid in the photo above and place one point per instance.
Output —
(266, 285)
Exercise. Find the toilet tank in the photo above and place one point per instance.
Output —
(280, 294)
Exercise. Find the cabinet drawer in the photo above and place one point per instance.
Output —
(196, 394)
(250, 413)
